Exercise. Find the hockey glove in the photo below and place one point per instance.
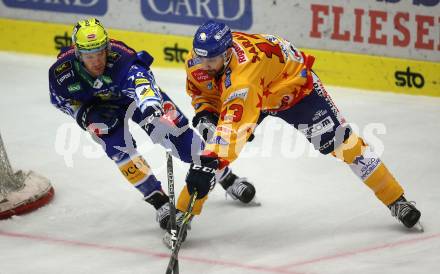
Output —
(100, 119)
(152, 110)
(205, 122)
(201, 178)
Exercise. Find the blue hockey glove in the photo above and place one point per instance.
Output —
(201, 178)
(101, 118)
(152, 110)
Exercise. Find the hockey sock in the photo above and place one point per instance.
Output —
(184, 199)
(366, 164)
(137, 171)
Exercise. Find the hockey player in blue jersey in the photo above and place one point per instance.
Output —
(102, 83)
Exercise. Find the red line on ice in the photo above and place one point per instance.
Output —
(280, 269)
(143, 252)
(359, 251)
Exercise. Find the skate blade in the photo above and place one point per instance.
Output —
(419, 227)
(254, 202)
(167, 240)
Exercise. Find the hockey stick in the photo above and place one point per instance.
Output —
(186, 219)
(173, 229)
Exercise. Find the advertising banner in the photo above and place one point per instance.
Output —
(335, 68)
(407, 29)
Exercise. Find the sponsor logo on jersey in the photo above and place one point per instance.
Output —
(319, 128)
(193, 62)
(228, 82)
(141, 81)
(239, 52)
(95, 7)
(201, 75)
(107, 79)
(74, 87)
(64, 77)
(60, 69)
(320, 90)
(236, 14)
(104, 94)
(320, 113)
(145, 92)
(241, 94)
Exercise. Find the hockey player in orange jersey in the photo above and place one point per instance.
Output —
(237, 79)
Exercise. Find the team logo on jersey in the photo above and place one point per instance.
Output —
(201, 75)
(63, 68)
(239, 52)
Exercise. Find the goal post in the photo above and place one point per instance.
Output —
(21, 192)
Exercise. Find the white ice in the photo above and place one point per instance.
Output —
(316, 216)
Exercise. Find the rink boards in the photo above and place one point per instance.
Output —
(335, 68)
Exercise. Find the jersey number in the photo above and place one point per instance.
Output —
(238, 112)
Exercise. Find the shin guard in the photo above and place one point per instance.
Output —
(366, 164)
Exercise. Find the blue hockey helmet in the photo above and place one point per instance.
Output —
(212, 39)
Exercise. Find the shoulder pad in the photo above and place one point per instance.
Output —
(145, 58)
(116, 45)
(66, 52)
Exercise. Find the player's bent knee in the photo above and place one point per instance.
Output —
(350, 149)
